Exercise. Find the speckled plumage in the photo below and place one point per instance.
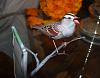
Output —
(60, 29)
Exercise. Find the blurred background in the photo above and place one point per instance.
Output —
(63, 66)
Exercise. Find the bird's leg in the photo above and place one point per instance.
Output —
(55, 46)
(57, 49)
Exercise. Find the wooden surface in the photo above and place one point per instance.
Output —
(6, 66)
(70, 64)
(63, 66)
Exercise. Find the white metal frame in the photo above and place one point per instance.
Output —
(20, 56)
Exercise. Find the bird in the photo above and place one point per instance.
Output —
(60, 29)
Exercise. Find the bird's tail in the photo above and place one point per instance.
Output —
(37, 26)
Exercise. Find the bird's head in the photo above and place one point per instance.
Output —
(71, 17)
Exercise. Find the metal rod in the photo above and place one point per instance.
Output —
(90, 48)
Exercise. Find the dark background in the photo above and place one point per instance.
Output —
(83, 13)
(71, 64)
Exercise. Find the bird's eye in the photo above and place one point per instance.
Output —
(69, 18)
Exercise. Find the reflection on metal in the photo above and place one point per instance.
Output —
(92, 41)
(91, 31)
(20, 56)
(91, 26)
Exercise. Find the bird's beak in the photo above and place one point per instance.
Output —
(76, 20)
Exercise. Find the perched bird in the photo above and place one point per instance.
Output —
(60, 29)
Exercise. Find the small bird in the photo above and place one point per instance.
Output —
(60, 29)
